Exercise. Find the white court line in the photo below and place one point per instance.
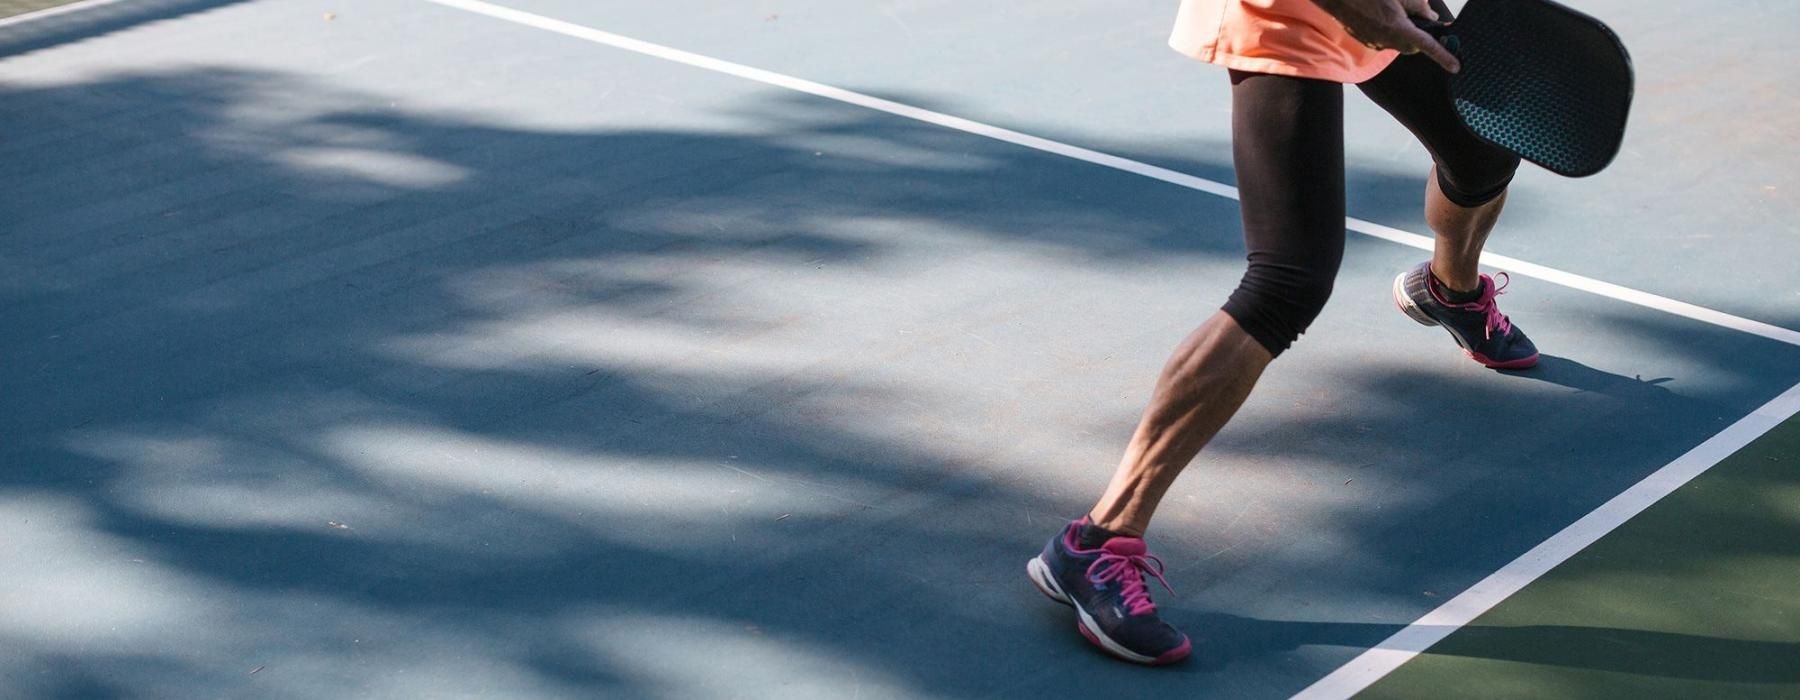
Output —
(1377, 662)
(1458, 611)
(53, 11)
(1368, 228)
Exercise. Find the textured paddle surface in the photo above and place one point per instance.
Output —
(1543, 81)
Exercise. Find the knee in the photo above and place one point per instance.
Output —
(1278, 299)
(1476, 178)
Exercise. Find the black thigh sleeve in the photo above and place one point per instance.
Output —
(1287, 142)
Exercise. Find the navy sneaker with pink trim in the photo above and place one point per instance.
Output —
(1111, 597)
(1485, 334)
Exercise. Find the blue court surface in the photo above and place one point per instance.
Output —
(582, 348)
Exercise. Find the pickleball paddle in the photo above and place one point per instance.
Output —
(1541, 80)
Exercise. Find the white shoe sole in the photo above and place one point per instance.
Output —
(1040, 576)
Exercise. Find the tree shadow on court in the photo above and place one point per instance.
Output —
(272, 404)
(297, 399)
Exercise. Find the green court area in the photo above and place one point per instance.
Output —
(9, 8)
(1698, 597)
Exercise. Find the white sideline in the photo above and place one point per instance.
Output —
(53, 11)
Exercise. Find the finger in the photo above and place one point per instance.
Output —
(1419, 8)
(1418, 39)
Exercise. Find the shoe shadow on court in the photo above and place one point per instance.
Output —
(1569, 373)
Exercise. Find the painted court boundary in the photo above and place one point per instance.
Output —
(1459, 611)
(53, 11)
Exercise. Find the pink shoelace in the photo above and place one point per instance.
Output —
(1486, 305)
(1129, 571)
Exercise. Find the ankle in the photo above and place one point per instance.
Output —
(1091, 536)
(1457, 294)
(1095, 531)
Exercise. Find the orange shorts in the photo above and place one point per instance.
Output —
(1282, 37)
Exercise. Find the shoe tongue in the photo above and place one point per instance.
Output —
(1125, 546)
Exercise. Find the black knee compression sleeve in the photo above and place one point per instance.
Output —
(1288, 147)
(1469, 187)
(1279, 297)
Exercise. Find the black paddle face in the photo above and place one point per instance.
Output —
(1541, 80)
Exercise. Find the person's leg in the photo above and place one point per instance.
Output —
(1287, 146)
(1287, 136)
(1288, 149)
(1461, 234)
(1201, 387)
(1463, 199)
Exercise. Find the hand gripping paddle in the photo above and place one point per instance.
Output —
(1541, 80)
